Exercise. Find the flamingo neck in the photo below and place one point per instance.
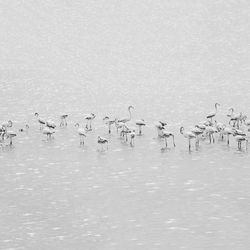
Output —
(130, 116)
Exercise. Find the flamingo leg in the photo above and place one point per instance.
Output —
(189, 144)
(140, 132)
(173, 142)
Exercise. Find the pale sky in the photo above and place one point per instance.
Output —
(87, 37)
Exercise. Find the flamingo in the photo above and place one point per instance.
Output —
(109, 122)
(236, 120)
(102, 141)
(166, 135)
(47, 131)
(189, 135)
(213, 114)
(210, 130)
(63, 120)
(119, 125)
(239, 139)
(140, 123)
(197, 131)
(50, 124)
(89, 118)
(127, 119)
(5, 126)
(227, 131)
(41, 121)
(129, 131)
(160, 126)
(132, 137)
(81, 132)
(124, 130)
(10, 135)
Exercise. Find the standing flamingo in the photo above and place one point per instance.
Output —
(166, 135)
(41, 121)
(227, 131)
(102, 141)
(239, 139)
(127, 119)
(89, 118)
(10, 135)
(213, 114)
(140, 123)
(63, 120)
(235, 119)
(198, 132)
(81, 132)
(109, 122)
(189, 135)
(49, 132)
(160, 126)
(132, 137)
(210, 130)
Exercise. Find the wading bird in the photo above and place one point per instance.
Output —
(227, 131)
(102, 141)
(10, 135)
(48, 132)
(213, 114)
(81, 132)
(160, 126)
(166, 135)
(198, 132)
(239, 139)
(50, 124)
(127, 119)
(189, 135)
(109, 122)
(63, 120)
(132, 137)
(140, 123)
(41, 121)
(89, 118)
(210, 130)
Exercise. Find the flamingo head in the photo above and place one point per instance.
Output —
(36, 114)
(130, 107)
(181, 130)
(77, 124)
(10, 123)
(216, 104)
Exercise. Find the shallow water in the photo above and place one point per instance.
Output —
(181, 60)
